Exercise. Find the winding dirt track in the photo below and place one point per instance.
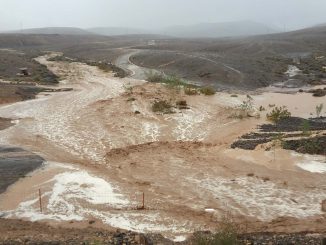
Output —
(188, 184)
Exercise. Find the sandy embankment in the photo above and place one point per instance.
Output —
(188, 185)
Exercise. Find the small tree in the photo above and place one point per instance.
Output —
(278, 113)
(246, 107)
(319, 109)
(128, 89)
(277, 141)
(306, 128)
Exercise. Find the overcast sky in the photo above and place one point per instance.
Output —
(152, 14)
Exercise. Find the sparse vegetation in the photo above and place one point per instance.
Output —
(174, 81)
(190, 91)
(154, 77)
(207, 91)
(128, 88)
(276, 142)
(162, 106)
(245, 109)
(315, 145)
(318, 92)
(182, 104)
(131, 99)
(107, 67)
(306, 128)
(261, 108)
(278, 113)
(61, 58)
(319, 109)
(227, 234)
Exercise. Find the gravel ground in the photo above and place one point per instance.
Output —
(287, 129)
(292, 124)
(24, 232)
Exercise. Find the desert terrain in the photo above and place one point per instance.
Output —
(111, 159)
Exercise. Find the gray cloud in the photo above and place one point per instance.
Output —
(151, 14)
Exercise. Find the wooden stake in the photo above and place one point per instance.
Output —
(40, 198)
(143, 200)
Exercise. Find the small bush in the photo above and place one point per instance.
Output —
(278, 113)
(154, 77)
(182, 104)
(61, 58)
(234, 95)
(207, 91)
(190, 91)
(162, 106)
(319, 109)
(245, 109)
(174, 81)
(306, 128)
(261, 108)
(227, 235)
(131, 99)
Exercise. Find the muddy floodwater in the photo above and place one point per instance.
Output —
(104, 148)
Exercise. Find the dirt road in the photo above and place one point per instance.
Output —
(135, 71)
(104, 147)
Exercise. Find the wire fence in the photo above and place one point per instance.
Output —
(45, 201)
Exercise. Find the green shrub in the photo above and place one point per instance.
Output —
(61, 58)
(278, 113)
(162, 106)
(173, 81)
(227, 235)
(245, 109)
(190, 91)
(207, 91)
(306, 128)
(154, 77)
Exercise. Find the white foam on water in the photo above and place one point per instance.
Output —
(151, 131)
(311, 163)
(151, 221)
(292, 71)
(70, 191)
(263, 200)
(188, 125)
(28, 210)
(179, 238)
(81, 185)
(77, 195)
(313, 166)
(63, 118)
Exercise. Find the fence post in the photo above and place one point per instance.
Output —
(143, 200)
(40, 199)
